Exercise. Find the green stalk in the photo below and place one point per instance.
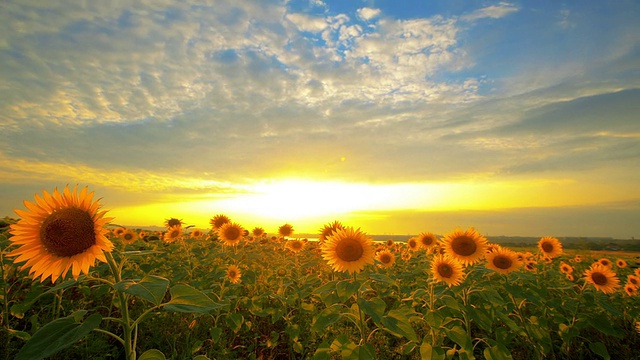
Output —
(129, 350)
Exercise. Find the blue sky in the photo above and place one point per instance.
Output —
(532, 104)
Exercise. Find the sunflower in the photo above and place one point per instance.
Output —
(285, 230)
(119, 231)
(447, 269)
(405, 256)
(389, 243)
(257, 232)
(503, 261)
(569, 277)
(633, 280)
(550, 247)
(631, 290)
(230, 233)
(348, 250)
(281, 272)
(173, 234)
(413, 244)
(386, 258)
(602, 278)
(493, 247)
(468, 247)
(621, 263)
(169, 223)
(142, 234)
(577, 258)
(219, 220)
(60, 232)
(234, 274)
(329, 229)
(565, 268)
(605, 262)
(427, 240)
(295, 245)
(530, 265)
(129, 237)
(196, 234)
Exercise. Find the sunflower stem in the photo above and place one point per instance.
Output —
(129, 349)
(360, 312)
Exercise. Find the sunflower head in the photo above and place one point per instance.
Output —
(234, 274)
(328, 229)
(602, 278)
(119, 231)
(633, 280)
(60, 232)
(348, 250)
(550, 247)
(630, 290)
(129, 236)
(257, 232)
(285, 230)
(503, 261)
(218, 220)
(169, 223)
(565, 268)
(231, 233)
(621, 263)
(468, 247)
(427, 240)
(413, 244)
(389, 243)
(295, 245)
(386, 258)
(447, 269)
(173, 234)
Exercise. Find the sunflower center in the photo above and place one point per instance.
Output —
(427, 241)
(464, 246)
(232, 274)
(128, 236)
(174, 234)
(547, 247)
(502, 262)
(599, 278)
(385, 258)
(445, 270)
(232, 233)
(349, 250)
(68, 232)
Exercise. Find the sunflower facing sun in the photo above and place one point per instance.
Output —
(348, 250)
(60, 232)
(468, 246)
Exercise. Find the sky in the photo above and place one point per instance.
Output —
(398, 117)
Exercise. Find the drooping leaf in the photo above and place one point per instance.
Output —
(151, 288)
(184, 298)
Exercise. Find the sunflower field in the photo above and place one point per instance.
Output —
(75, 286)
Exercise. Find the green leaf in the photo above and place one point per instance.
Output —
(347, 288)
(323, 352)
(326, 317)
(361, 352)
(397, 323)
(184, 298)
(151, 288)
(603, 324)
(152, 354)
(235, 321)
(599, 348)
(460, 337)
(57, 335)
(374, 308)
(343, 345)
(200, 357)
(382, 278)
(428, 352)
(497, 352)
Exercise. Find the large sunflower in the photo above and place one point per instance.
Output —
(602, 278)
(169, 223)
(60, 232)
(348, 250)
(231, 233)
(468, 247)
(503, 261)
(219, 220)
(447, 269)
(550, 247)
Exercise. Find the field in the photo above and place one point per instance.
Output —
(193, 296)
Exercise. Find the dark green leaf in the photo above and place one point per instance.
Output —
(57, 335)
(600, 349)
(184, 298)
(152, 354)
(151, 288)
(326, 317)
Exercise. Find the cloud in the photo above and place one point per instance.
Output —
(367, 14)
(493, 12)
